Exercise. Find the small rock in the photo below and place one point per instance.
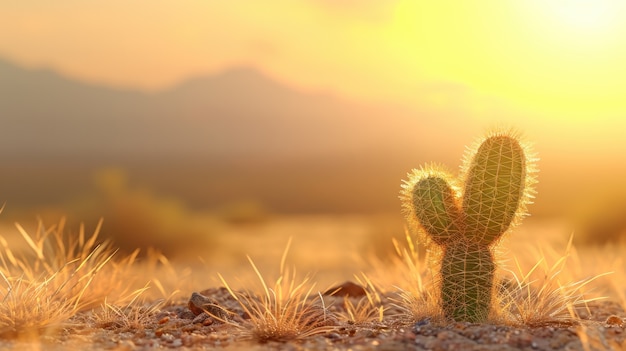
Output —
(417, 327)
(614, 321)
(199, 304)
(348, 288)
(203, 319)
(167, 337)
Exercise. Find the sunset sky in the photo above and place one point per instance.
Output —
(558, 59)
(425, 76)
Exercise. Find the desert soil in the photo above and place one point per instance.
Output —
(185, 325)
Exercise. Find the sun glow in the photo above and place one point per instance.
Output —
(589, 26)
(588, 15)
(547, 56)
(554, 57)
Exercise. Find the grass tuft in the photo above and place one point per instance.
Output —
(133, 316)
(284, 310)
(43, 287)
(544, 295)
(365, 310)
(414, 282)
(547, 301)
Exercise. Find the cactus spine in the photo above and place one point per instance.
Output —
(467, 221)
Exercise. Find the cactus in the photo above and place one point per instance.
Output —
(466, 221)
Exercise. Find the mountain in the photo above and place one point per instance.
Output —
(237, 135)
(239, 113)
(240, 135)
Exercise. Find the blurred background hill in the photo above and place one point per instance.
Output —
(234, 136)
(240, 145)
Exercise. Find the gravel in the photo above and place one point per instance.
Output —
(178, 327)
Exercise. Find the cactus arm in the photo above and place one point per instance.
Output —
(494, 188)
(430, 201)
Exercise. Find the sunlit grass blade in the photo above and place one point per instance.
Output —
(285, 309)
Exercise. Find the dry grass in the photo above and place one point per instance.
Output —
(544, 295)
(132, 316)
(284, 310)
(43, 288)
(365, 310)
(63, 275)
(410, 275)
(549, 299)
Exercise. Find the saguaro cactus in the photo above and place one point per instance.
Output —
(467, 219)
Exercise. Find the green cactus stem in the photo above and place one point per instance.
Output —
(467, 271)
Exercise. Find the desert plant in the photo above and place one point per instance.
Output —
(543, 296)
(415, 300)
(364, 310)
(285, 310)
(467, 218)
(133, 316)
(43, 288)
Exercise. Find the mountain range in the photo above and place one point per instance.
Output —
(238, 135)
(237, 113)
(289, 149)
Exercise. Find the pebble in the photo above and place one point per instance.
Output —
(614, 321)
(167, 337)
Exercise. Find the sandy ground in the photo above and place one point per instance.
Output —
(177, 327)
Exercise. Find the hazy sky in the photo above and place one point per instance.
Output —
(558, 58)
